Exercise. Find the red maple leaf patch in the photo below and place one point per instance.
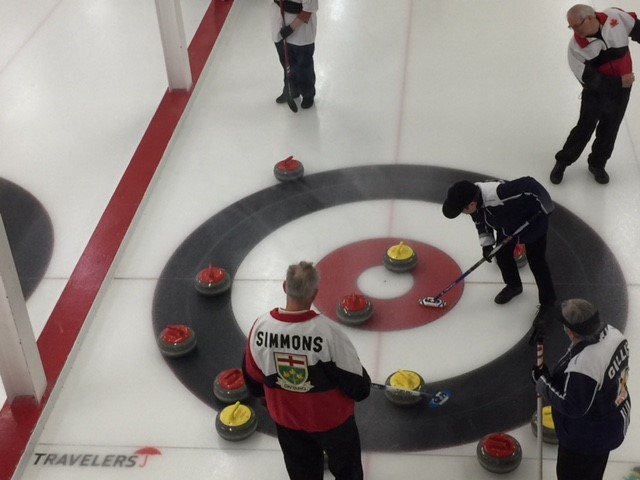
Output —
(613, 22)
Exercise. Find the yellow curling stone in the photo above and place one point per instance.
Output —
(400, 258)
(236, 422)
(403, 382)
(548, 427)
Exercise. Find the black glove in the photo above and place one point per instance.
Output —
(539, 371)
(486, 252)
(286, 31)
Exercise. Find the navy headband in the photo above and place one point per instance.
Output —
(588, 327)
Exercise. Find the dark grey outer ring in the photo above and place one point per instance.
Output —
(495, 397)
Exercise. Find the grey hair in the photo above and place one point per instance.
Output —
(577, 311)
(302, 280)
(581, 11)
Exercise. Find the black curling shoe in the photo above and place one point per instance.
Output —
(506, 294)
(599, 174)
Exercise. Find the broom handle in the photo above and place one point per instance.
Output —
(539, 362)
(493, 253)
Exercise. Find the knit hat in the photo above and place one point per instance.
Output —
(460, 195)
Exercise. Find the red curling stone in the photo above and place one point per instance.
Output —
(229, 386)
(176, 340)
(520, 255)
(212, 281)
(354, 309)
(499, 453)
(288, 169)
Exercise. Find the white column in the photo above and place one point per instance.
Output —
(174, 45)
(20, 363)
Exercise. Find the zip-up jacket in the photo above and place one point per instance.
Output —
(588, 394)
(507, 205)
(598, 62)
(306, 368)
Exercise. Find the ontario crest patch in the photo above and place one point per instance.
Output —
(293, 372)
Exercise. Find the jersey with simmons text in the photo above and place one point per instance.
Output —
(306, 368)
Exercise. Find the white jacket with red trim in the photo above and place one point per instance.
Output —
(306, 368)
(598, 62)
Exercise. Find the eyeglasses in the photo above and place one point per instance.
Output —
(573, 27)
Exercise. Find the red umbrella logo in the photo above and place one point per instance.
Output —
(146, 451)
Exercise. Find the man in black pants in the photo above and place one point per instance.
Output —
(588, 393)
(599, 58)
(308, 372)
(503, 207)
(298, 30)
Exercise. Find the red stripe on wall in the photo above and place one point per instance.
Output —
(18, 420)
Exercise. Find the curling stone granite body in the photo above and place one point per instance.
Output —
(548, 427)
(229, 386)
(176, 340)
(212, 281)
(400, 258)
(288, 169)
(408, 381)
(236, 422)
(354, 309)
(499, 453)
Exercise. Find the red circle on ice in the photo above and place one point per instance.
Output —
(434, 271)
